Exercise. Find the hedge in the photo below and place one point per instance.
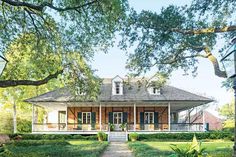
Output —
(38, 142)
(52, 136)
(187, 136)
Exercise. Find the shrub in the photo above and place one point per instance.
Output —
(133, 136)
(186, 136)
(38, 142)
(101, 136)
(192, 150)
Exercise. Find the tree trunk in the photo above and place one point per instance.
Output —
(14, 118)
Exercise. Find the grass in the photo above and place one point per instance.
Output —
(218, 148)
(72, 148)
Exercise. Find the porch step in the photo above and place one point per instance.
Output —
(117, 136)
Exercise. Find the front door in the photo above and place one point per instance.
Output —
(117, 120)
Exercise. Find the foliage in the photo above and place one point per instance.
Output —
(53, 136)
(186, 136)
(101, 136)
(134, 136)
(84, 27)
(192, 150)
(58, 28)
(6, 126)
(215, 148)
(177, 37)
(123, 126)
(60, 148)
(227, 110)
(111, 126)
(26, 143)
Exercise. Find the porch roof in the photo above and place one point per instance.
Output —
(131, 93)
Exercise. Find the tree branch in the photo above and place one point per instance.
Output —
(12, 83)
(40, 7)
(215, 63)
(205, 30)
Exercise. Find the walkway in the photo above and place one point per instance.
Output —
(117, 149)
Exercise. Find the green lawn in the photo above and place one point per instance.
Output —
(71, 148)
(162, 149)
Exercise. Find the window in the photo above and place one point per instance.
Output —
(156, 91)
(117, 87)
(149, 117)
(117, 117)
(61, 116)
(86, 117)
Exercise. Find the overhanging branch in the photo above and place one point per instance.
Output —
(40, 7)
(205, 30)
(12, 83)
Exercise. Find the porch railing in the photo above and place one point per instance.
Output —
(40, 127)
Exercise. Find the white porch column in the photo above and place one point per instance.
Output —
(32, 117)
(134, 117)
(203, 120)
(100, 116)
(66, 118)
(169, 116)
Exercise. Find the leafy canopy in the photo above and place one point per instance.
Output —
(178, 36)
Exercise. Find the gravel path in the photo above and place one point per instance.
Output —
(117, 149)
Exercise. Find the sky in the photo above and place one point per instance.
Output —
(205, 83)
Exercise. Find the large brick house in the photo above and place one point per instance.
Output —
(140, 108)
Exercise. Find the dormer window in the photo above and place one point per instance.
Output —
(117, 86)
(156, 91)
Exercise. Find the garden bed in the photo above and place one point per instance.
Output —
(59, 148)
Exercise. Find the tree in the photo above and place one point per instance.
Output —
(227, 110)
(82, 27)
(178, 36)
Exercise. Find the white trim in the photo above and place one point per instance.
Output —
(169, 116)
(100, 116)
(134, 117)
(66, 118)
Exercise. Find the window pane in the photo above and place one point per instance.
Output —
(146, 118)
(88, 118)
(117, 87)
(84, 118)
(119, 116)
(150, 117)
(115, 118)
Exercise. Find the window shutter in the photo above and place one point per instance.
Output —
(93, 120)
(79, 120)
(141, 120)
(156, 120)
(125, 117)
(110, 116)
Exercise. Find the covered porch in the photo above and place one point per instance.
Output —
(91, 117)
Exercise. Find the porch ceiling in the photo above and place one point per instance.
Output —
(175, 106)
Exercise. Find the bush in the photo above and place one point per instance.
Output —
(38, 142)
(52, 136)
(101, 136)
(186, 136)
(133, 136)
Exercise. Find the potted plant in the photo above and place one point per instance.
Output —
(123, 126)
(111, 126)
(101, 136)
(133, 136)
